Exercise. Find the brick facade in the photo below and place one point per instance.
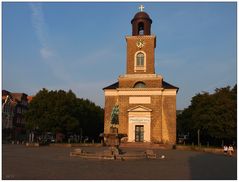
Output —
(153, 106)
(132, 49)
(150, 82)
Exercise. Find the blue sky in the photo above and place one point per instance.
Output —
(81, 46)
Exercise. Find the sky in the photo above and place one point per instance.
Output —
(82, 47)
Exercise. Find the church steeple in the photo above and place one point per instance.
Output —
(141, 45)
(146, 103)
(141, 23)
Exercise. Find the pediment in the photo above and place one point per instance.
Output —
(139, 108)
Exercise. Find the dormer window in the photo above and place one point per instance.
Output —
(140, 61)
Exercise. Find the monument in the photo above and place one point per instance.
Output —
(112, 139)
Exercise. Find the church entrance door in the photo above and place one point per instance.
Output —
(139, 124)
(139, 133)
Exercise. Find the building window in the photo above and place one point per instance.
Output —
(140, 85)
(140, 59)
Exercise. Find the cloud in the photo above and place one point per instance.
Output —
(49, 57)
(46, 53)
(53, 59)
(40, 29)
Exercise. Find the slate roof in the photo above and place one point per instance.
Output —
(169, 86)
(166, 85)
(113, 86)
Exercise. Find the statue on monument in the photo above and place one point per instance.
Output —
(114, 118)
(115, 115)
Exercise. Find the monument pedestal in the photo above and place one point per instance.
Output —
(112, 138)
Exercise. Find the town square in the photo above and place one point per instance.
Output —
(129, 91)
(47, 163)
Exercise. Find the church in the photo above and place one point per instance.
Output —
(146, 104)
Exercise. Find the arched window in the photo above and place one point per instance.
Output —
(141, 28)
(140, 85)
(140, 59)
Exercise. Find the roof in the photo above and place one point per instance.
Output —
(5, 92)
(165, 85)
(141, 14)
(29, 98)
(113, 86)
(14, 96)
(17, 96)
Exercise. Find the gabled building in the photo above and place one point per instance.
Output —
(14, 105)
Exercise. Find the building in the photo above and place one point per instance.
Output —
(14, 105)
(146, 103)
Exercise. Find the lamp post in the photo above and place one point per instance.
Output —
(198, 136)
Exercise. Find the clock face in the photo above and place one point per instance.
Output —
(140, 43)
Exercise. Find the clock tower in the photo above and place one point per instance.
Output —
(140, 46)
(146, 104)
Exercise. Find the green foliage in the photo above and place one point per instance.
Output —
(214, 114)
(60, 111)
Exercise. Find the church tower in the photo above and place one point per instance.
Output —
(146, 104)
(140, 46)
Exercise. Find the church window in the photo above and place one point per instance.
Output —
(140, 59)
(141, 28)
(139, 85)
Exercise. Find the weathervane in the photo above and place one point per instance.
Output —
(141, 8)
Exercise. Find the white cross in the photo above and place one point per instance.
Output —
(141, 8)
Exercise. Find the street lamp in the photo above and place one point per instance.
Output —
(198, 136)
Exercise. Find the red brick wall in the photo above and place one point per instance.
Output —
(150, 44)
(150, 83)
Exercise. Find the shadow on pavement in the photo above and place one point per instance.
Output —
(213, 167)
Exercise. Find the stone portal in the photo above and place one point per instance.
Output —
(139, 124)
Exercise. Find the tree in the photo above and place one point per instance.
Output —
(213, 114)
(60, 111)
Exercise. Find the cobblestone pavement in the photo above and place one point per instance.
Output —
(20, 162)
